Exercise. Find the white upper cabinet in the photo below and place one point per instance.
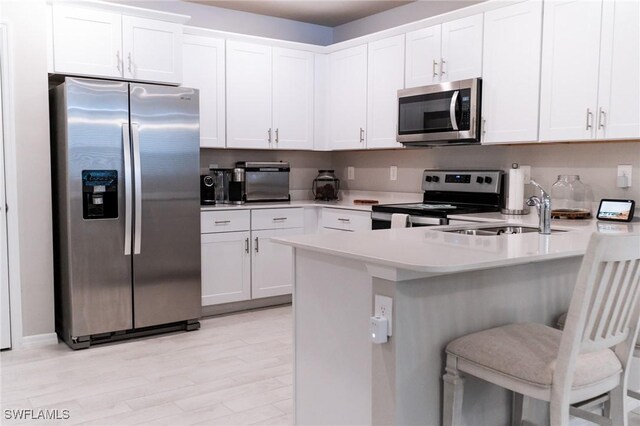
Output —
(511, 73)
(293, 88)
(269, 97)
(423, 56)
(386, 77)
(347, 106)
(153, 50)
(248, 95)
(569, 81)
(447, 52)
(87, 42)
(619, 88)
(203, 69)
(461, 49)
(105, 44)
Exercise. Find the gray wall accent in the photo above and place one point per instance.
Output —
(220, 19)
(27, 42)
(411, 12)
(596, 163)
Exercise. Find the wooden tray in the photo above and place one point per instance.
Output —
(570, 214)
(365, 202)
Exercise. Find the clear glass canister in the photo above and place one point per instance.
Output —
(571, 198)
(326, 186)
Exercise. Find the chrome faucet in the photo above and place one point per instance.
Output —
(544, 209)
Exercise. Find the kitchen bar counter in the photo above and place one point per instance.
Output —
(442, 286)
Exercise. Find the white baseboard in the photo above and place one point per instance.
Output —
(38, 340)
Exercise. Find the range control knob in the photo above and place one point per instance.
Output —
(488, 179)
(436, 179)
(479, 179)
(428, 178)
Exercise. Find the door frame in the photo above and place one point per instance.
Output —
(11, 187)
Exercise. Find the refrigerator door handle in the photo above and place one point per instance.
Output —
(127, 188)
(137, 177)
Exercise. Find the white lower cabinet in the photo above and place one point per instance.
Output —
(239, 260)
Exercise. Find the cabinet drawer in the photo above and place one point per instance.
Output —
(346, 220)
(277, 218)
(224, 221)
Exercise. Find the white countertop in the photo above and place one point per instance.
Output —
(428, 250)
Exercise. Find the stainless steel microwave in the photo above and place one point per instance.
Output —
(440, 114)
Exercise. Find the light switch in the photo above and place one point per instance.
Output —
(351, 173)
(393, 173)
(623, 179)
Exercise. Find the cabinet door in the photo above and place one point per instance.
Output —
(569, 80)
(153, 50)
(619, 88)
(248, 95)
(512, 38)
(348, 98)
(292, 99)
(422, 64)
(226, 267)
(272, 264)
(203, 69)
(461, 49)
(87, 42)
(386, 77)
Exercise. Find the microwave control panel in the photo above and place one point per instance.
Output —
(465, 109)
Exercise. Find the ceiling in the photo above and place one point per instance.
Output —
(329, 13)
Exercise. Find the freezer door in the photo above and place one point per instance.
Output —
(93, 269)
(166, 243)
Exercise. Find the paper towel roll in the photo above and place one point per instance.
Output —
(516, 189)
(399, 220)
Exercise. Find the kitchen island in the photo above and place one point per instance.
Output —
(443, 285)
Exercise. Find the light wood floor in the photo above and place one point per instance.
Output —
(236, 370)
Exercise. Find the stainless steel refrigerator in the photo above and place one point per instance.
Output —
(126, 209)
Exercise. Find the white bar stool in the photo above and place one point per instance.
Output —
(589, 358)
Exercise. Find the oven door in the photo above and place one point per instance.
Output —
(383, 221)
(443, 113)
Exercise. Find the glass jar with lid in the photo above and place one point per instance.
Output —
(571, 198)
(326, 186)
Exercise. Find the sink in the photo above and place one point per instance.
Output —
(498, 230)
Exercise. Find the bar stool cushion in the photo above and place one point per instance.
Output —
(527, 352)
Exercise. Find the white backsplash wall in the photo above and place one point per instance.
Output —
(596, 163)
(304, 164)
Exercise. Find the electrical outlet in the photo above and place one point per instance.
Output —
(624, 176)
(351, 173)
(393, 173)
(527, 173)
(384, 308)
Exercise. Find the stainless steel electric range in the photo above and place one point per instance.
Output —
(447, 192)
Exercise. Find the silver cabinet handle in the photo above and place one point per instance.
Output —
(602, 118)
(433, 69)
(484, 126)
(277, 135)
(222, 222)
(129, 56)
(269, 133)
(137, 179)
(127, 188)
(257, 245)
(344, 220)
(279, 219)
(442, 66)
(361, 135)
(589, 118)
(246, 245)
(452, 110)
(118, 61)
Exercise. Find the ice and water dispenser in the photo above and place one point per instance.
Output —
(99, 194)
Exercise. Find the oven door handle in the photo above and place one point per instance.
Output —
(452, 110)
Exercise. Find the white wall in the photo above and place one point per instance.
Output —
(27, 44)
(411, 12)
(234, 21)
(596, 163)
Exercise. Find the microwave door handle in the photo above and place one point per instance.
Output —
(452, 110)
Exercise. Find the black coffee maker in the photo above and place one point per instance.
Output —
(207, 190)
